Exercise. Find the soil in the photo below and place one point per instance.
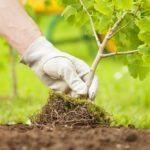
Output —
(70, 124)
(24, 137)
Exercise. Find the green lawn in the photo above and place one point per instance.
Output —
(124, 97)
(127, 99)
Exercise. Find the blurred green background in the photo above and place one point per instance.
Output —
(127, 99)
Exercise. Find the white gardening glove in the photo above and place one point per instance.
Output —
(59, 71)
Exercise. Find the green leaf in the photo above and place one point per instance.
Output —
(138, 71)
(143, 71)
(123, 4)
(89, 4)
(137, 67)
(133, 70)
(103, 7)
(69, 11)
(69, 2)
(127, 39)
(81, 18)
(144, 23)
(102, 24)
(146, 3)
(145, 37)
(144, 49)
(146, 59)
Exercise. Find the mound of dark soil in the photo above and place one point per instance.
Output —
(65, 110)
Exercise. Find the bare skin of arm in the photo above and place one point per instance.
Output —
(16, 26)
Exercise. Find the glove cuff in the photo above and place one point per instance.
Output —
(37, 43)
(39, 48)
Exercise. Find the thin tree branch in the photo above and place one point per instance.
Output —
(121, 28)
(118, 22)
(92, 23)
(120, 53)
(121, 19)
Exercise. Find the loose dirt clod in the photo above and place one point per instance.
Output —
(131, 137)
(65, 110)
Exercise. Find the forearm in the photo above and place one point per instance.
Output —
(16, 26)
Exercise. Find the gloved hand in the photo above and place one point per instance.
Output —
(59, 71)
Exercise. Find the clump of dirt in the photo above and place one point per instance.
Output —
(65, 110)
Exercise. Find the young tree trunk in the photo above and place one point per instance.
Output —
(13, 74)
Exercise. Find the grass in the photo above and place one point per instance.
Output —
(121, 95)
(126, 98)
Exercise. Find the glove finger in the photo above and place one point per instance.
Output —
(93, 88)
(59, 86)
(81, 67)
(63, 68)
(52, 78)
(74, 81)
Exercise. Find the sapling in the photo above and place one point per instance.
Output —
(127, 22)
